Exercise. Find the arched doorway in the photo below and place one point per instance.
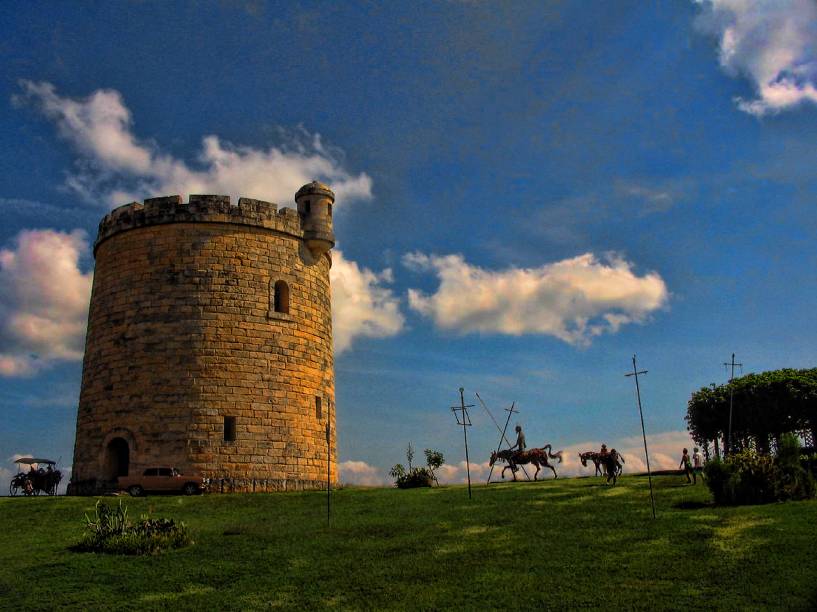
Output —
(117, 458)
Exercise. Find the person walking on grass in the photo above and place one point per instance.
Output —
(697, 464)
(686, 464)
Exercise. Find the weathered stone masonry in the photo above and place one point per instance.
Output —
(209, 343)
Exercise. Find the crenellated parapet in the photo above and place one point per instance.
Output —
(199, 209)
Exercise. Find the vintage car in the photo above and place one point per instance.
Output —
(162, 479)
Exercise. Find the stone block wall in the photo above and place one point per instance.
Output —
(183, 336)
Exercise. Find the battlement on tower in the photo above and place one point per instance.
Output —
(198, 209)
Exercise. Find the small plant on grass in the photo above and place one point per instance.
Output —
(417, 476)
(749, 478)
(110, 531)
(796, 481)
(434, 460)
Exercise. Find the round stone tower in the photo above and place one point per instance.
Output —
(209, 344)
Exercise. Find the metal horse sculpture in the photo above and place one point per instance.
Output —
(593, 456)
(536, 456)
(602, 462)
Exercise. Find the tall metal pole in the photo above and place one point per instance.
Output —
(502, 431)
(731, 397)
(328, 462)
(635, 373)
(466, 422)
(502, 437)
(716, 450)
(465, 435)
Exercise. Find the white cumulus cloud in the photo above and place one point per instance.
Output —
(117, 167)
(458, 474)
(771, 42)
(573, 299)
(361, 473)
(362, 306)
(43, 301)
(665, 453)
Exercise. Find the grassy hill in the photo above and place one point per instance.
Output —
(555, 544)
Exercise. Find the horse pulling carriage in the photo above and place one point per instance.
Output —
(35, 480)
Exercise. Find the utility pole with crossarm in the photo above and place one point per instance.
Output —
(635, 373)
(464, 420)
(731, 397)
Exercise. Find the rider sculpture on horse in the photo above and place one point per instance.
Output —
(516, 455)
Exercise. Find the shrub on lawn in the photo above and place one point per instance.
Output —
(749, 478)
(796, 481)
(417, 476)
(110, 531)
(808, 460)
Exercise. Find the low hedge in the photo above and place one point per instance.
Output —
(747, 477)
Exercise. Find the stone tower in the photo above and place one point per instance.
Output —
(209, 343)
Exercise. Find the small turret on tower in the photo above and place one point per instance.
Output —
(315, 208)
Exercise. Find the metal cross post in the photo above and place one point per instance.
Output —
(502, 437)
(635, 373)
(731, 394)
(328, 462)
(465, 421)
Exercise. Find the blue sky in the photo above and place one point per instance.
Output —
(528, 194)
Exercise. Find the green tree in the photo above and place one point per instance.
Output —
(434, 460)
(765, 405)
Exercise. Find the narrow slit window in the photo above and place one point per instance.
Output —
(280, 297)
(318, 409)
(229, 429)
(307, 206)
(330, 211)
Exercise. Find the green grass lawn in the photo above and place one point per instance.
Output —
(571, 543)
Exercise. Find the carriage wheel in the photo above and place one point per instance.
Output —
(13, 489)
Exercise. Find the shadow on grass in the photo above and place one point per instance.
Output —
(233, 531)
(693, 505)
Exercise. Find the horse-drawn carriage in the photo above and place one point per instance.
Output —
(37, 479)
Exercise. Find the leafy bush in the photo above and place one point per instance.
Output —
(417, 476)
(110, 531)
(717, 474)
(749, 478)
(434, 460)
(796, 482)
(808, 462)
